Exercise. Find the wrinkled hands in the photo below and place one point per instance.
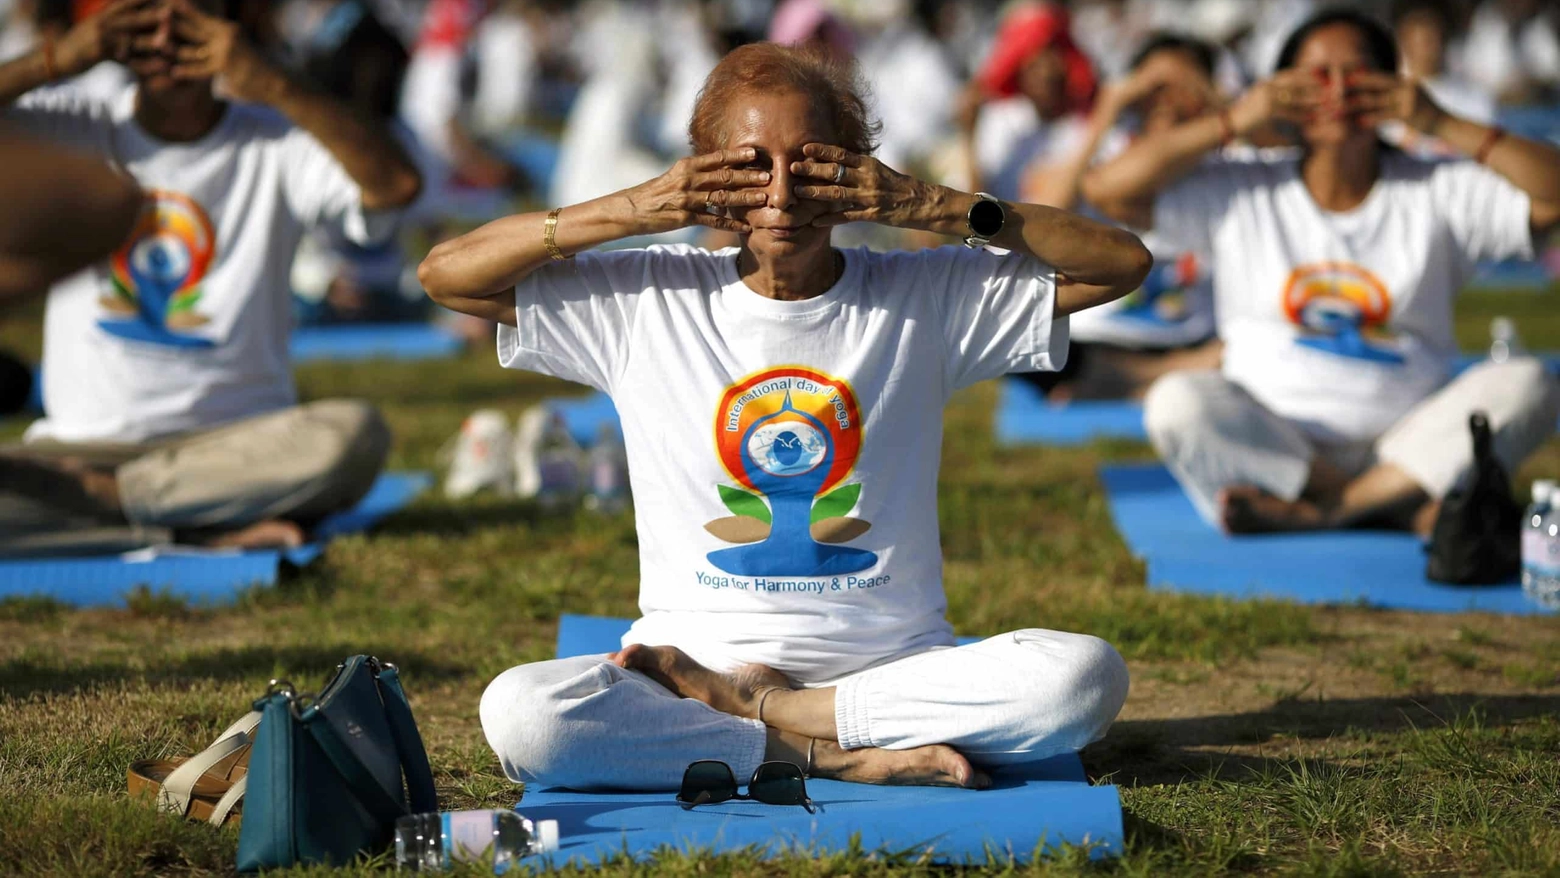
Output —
(696, 191)
(860, 188)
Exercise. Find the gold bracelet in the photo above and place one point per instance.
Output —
(549, 234)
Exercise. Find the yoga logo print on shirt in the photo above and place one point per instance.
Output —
(789, 437)
(1343, 309)
(1163, 299)
(157, 273)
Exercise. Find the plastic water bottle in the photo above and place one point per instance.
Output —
(608, 468)
(1504, 343)
(1541, 546)
(433, 842)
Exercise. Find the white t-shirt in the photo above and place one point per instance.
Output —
(1341, 322)
(1173, 308)
(185, 326)
(755, 425)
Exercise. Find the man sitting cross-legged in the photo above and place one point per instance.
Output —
(169, 396)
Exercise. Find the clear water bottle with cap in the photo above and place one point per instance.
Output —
(1504, 344)
(1541, 546)
(434, 842)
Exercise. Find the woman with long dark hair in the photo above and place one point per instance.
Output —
(782, 405)
(1334, 276)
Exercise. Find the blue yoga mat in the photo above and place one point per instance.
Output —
(586, 415)
(1512, 275)
(1038, 805)
(194, 575)
(1379, 568)
(373, 341)
(1025, 418)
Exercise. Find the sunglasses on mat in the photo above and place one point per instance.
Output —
(708, 782)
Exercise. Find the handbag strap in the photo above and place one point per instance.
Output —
(178, 788)
(408, 743)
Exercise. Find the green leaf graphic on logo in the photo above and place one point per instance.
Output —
(836, 503)
(740, 502)
(184, 302)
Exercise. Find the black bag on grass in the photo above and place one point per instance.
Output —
(1477, 539)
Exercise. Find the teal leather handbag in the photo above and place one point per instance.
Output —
(325, 778)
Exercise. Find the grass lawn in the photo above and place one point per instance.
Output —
(1259, 738)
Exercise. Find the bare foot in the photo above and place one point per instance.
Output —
(1248, 510)
(735, 693)
(937, 766)
(272, 534)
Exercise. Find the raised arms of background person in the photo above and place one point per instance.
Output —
(63, 211)
(1060, 183)
(477, 272)
(142, 33)
(1126, 186)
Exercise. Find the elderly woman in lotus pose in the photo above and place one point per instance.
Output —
(782, 409)
(1335, 270)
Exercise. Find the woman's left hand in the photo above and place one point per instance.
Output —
(861, 189)
(1373, 98)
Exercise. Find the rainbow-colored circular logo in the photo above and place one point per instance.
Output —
(789, 438)
(1343, 308)
(157, 273)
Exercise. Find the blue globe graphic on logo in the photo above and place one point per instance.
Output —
(787, 448)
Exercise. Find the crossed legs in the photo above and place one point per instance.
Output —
(636, 718)
(253, 482)
(1249, 470)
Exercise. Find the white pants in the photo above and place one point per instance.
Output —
(585, 723)
(1212, 434)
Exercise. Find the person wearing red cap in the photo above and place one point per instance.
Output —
(1029, 101)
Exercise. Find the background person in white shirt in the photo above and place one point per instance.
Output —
(1334, 277)
(166, 380)
(1167, 324)
(782, 410)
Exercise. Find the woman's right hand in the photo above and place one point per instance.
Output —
(108, 35)
(1288, 96)
(697, 190)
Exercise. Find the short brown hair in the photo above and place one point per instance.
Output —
(805, 70)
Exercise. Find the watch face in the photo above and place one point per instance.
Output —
(986, 218)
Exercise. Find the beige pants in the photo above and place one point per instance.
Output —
(300, 464)
(1212, 434)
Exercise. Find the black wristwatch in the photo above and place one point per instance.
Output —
(985, 220)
